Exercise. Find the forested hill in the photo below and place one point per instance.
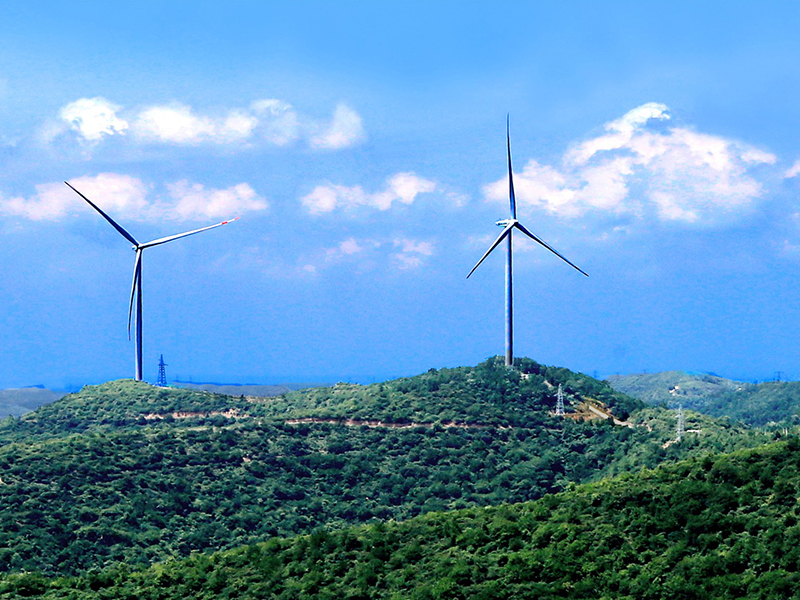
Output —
(773, 402)
(114, 405)
(125, 472)
(488, 394)
(673, 388)
(722, 526)
(757, 405)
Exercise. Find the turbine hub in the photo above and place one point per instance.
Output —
(505, 222)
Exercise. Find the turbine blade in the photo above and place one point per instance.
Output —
(499, 239)
(116, 225)
(522, 228)
(511, 198)
(170, 238)
(137, 268)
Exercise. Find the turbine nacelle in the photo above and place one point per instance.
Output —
(508, 225)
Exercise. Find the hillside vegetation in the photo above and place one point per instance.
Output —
(757, 405)
(230, 389)
(673, 387)
(773, 402)
(716, 527)
(125, 472)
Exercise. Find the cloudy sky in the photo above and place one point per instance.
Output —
(363, 146)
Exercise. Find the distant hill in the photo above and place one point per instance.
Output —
(127, 472)
(673, 387)
(773, 402)
(18, 401)
(719, 526)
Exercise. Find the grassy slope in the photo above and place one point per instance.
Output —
(89, 481)
(723, 526)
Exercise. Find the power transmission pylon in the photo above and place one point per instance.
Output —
(560, 402)
(681, 424)
(162, 373)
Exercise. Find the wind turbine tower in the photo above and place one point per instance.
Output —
(136, 288)
(681, 424)
(508, 226)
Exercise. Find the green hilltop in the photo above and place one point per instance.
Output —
(125, 473)
(717, 526)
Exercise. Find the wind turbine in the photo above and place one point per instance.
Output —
(136, 288)
(508, 226)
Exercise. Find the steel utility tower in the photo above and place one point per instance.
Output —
(560, 402)
(681, 424)
(162, 373)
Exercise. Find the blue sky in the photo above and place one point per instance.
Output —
(363, 146)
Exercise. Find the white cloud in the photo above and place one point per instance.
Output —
(270, 121)
(121, 195)
(326, 198)
(367, 254)
(414, 246)
(792, 171)
(93, 118)
(238, 125)
(402, 188)
(345, 130)
(620, 132)
(279, 123)
(128, 198)
(412, 253)
(457, 199)
(635, 169)
(193, 200)
(405, 262)
(350, 246)
(173, 124)
(178, 124)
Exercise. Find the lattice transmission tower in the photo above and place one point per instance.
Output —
(560, 402)
(162, 373)
(681, 424)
